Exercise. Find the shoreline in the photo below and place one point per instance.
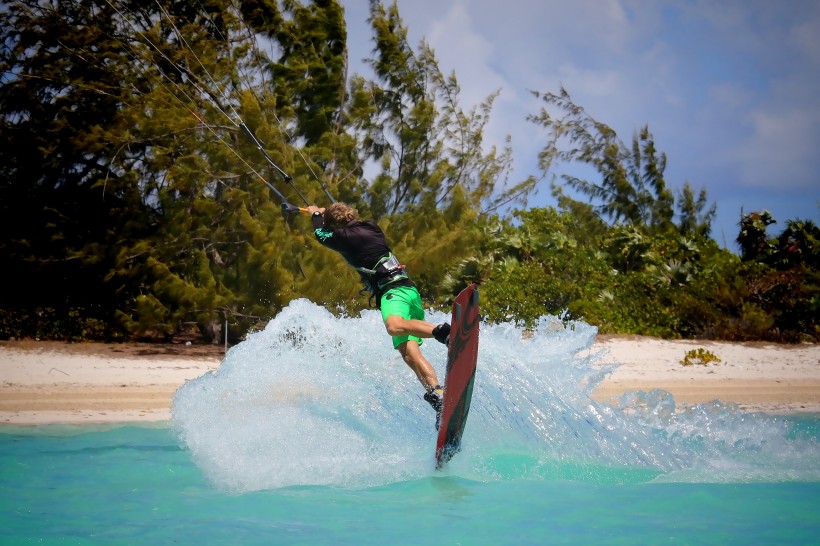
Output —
(51, 382)
(45, 382)
(757, 376)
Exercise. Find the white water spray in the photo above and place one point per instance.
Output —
(319, 400)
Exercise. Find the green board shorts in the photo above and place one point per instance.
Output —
(405, 302)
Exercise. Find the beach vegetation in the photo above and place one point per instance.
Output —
(132, 205)
(701, 357)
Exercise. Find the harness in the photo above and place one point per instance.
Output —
(387, 270)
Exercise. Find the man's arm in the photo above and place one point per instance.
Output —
(317, 214)
(317, 217)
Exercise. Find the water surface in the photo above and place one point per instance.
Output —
(314, 432)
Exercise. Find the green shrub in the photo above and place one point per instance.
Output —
(700, 356)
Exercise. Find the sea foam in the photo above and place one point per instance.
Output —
(316, 399)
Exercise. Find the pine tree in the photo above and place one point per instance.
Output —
(143, 201)
(64, 204)
(632, 188)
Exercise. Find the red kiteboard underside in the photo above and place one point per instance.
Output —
(461, 363)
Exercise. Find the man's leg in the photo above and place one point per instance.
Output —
(399, 326)
(434, 394)
(412, 356)
(403, 317)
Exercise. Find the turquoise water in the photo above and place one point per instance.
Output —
(314, 432)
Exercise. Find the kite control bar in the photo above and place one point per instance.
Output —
(287, 208)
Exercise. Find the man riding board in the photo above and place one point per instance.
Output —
(364, 246)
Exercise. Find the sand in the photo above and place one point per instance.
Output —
(766, 377)
(51, 382)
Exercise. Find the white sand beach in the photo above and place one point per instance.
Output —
(767, 377)
(52, 382)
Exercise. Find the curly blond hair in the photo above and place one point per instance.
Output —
(339, 214)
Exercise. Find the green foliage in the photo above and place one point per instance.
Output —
(783, 277)
(522, 294)
(143, 199)
(632, 189)
(133, 205)
(151, 214)
(752, 236)
(625, 280)
(531, 268)
(72, 324)
(701, 357)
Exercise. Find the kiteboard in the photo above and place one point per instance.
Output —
(462, 356)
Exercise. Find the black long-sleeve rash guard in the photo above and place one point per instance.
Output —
(362, 244)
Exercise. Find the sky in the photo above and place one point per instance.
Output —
(730, 89)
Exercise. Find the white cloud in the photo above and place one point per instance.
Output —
(780, 152)
(804, 37)
(460, 48)
(590, 83)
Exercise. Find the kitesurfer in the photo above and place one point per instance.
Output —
(364, 246)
